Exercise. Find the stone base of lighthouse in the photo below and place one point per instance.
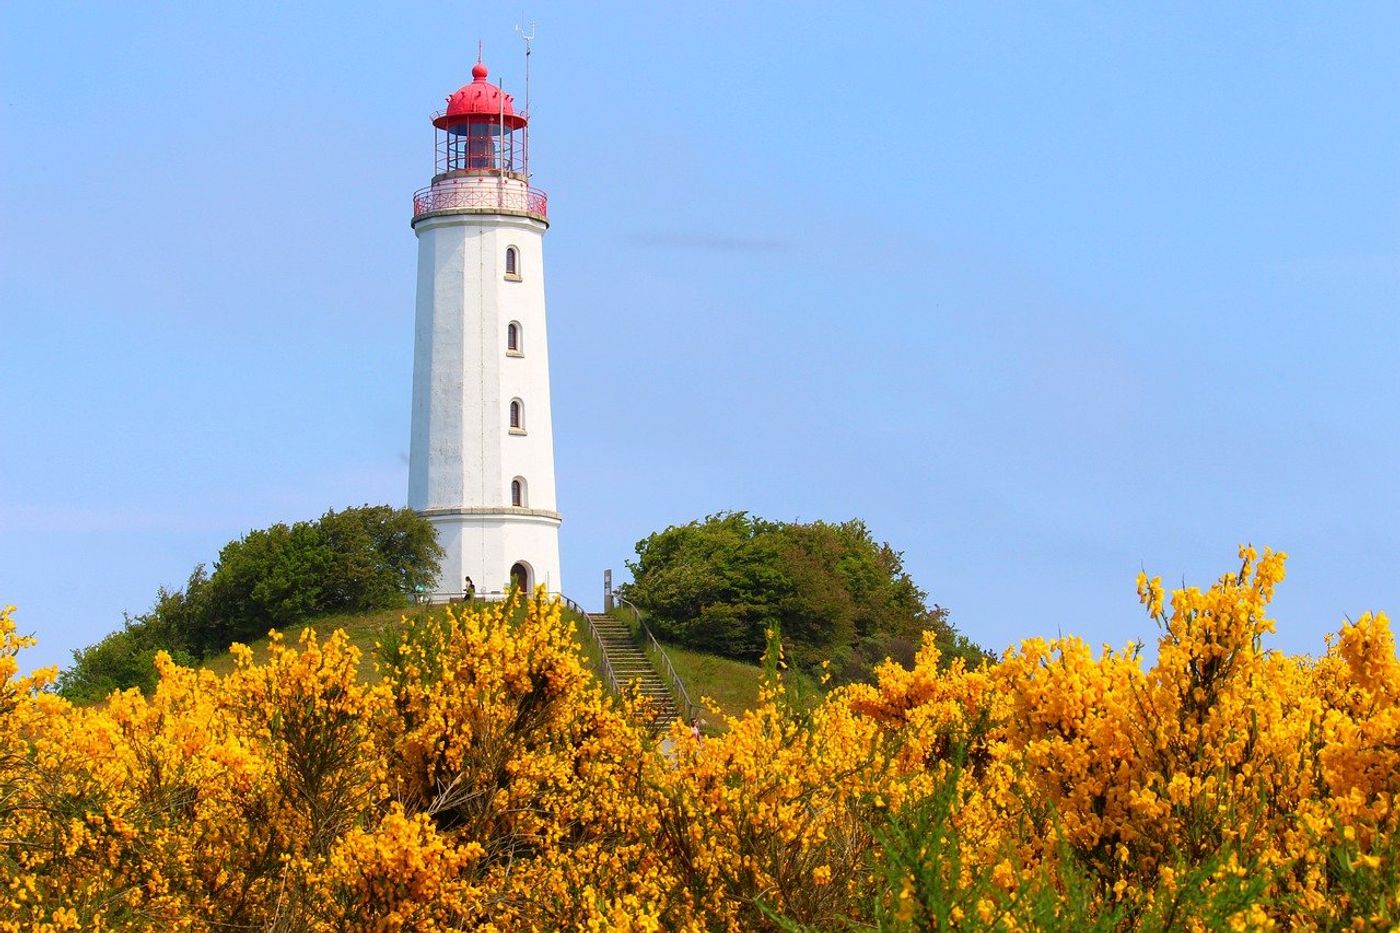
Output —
(494, 547)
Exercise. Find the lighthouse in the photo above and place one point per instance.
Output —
(481, 455)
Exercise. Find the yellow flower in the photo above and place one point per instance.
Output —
(485, 780)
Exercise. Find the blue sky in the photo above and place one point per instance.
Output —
(1046, 294)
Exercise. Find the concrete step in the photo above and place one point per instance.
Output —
(634, 670)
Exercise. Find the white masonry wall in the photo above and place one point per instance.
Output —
(463, 454)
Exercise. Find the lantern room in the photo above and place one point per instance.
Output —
(480, 133)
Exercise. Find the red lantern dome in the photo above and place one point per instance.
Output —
(479, 102)
(482, 150)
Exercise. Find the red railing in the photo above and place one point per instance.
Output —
(482, 198)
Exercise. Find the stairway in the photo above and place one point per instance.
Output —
(631, 666)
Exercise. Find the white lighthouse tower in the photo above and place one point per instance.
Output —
(481, 459)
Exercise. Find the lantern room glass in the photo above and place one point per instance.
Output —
(480, 146)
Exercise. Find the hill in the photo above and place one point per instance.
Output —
(354, 561)
(841, 600)
(732, 685)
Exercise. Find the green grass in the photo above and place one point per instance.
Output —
(586, 645)
(732, 685)
(363, 629)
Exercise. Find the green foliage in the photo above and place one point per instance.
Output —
(1370, 880)
(928, 883)
(125, 658)
(352, 561)
(837, 595)
(356, 560)
(920, 855)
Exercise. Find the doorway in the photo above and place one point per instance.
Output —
(520, 577)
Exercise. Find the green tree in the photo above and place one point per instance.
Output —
(372, 557)
(356, 560)
(379, 555)
(836, 594)
(126, 658)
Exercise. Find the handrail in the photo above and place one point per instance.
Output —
(676, 683)
(450, 197)
(486, 596)
(608, 672)
(597, 640)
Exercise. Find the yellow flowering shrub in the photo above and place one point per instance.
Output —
(486, 781)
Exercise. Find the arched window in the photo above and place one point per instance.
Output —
(513, 342)
(517, 416)
(517, 493)
(512, 262)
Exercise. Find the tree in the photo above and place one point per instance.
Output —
(356, 560)
(836, 594)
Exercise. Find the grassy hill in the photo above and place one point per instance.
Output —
(732, 685)
(363, 629)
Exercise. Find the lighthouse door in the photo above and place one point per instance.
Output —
(520, 578)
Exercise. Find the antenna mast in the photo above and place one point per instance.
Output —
(527, 33)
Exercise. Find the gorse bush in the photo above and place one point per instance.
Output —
(356, 560)
(487, 782)
(837, 595)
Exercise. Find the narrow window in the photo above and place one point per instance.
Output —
(517, 493)
(517, 415)
(512, 337)
(512, 262)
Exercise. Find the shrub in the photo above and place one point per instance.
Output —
(487, 782)
(356, 560)
(837, 595)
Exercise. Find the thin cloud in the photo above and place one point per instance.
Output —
(64, 519)
(717, 244)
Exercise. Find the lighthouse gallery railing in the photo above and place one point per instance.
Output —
(480, 197)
